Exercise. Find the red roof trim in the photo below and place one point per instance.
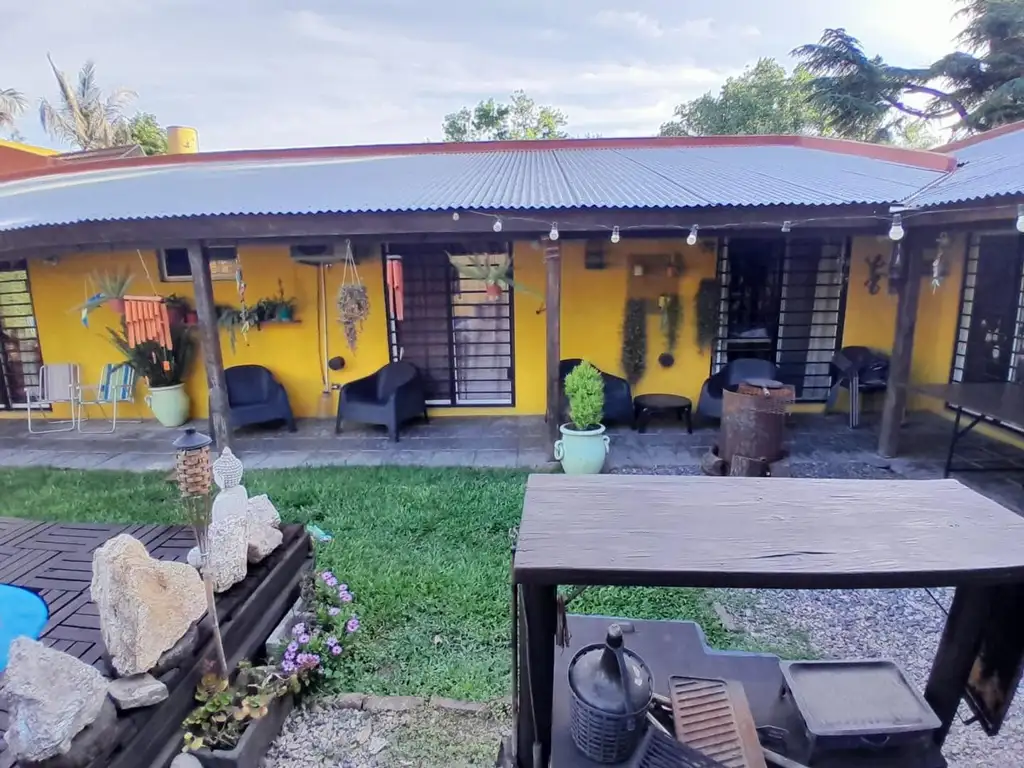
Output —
(919, 158)
(978, 138)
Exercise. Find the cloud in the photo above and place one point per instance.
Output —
(645, 26)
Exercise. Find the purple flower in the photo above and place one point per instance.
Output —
(288, 667)
(325, 575)
(335, 650)
(343, 587)
(303, 639)
(332, 611)
(293, 647)
(345, 597)
(298, 629)
(353, 624)
(332, 640)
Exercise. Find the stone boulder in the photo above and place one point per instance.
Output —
(51, 697)
(137, 691)
(262, 510)
(229, 549)
(262, 541)
(145, 605)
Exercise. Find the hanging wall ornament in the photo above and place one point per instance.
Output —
(940, 269)
(896, 267)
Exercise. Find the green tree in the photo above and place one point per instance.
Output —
(148, 134)
(490, 120)
(12, 104)
(765, 99)
(982, 86)
(84, 116)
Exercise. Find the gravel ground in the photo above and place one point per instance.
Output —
(902, 625)
(325, 735)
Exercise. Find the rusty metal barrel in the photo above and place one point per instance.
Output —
(754, 420)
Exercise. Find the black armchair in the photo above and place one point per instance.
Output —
(256, 397)
(858, 370)
(733, 374)
(390, 397)
(618, 397)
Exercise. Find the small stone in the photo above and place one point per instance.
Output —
(364, 734)
(194, 559)
(229, 545)
(260, 509)
(377, 745)
(263, 540)
(465, 707)
(729, 624)
(50, 697)
(178, 654)
(186, 761)
(392, 703)
(349, 700)
(137, 691)
(145, 605)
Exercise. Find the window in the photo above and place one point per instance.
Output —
(174, 265)
(20, 355)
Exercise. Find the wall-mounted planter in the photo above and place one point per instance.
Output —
(254, 742)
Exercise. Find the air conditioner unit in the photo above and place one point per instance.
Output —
(316, 254)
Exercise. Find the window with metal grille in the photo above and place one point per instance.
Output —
(989, 344)
(175, 267)
(783, 300)
(455, 329)
(20, 354)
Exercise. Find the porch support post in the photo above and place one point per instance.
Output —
(553, 327)
(213, 361)
(902, 351)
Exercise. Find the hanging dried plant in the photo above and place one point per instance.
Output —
(671, 318)
(705, 306)
(634, 340)
(353, 309)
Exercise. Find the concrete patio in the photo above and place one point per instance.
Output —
(820, 446)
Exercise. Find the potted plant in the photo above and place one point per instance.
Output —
(111, 288)
(284, 307)
(584, 445)
(495, 277)
(235, 723)
(164, 370)
(178, 309)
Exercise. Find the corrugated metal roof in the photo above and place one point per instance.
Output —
(990, 168)
(514, 180)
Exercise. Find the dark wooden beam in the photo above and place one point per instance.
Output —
(213, 361)
(902, 348)
(553, 333)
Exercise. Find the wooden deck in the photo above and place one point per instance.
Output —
(55, 560)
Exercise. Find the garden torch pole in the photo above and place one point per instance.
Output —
(194, 475)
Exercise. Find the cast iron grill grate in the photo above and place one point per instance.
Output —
(713, 717)
(659, 750)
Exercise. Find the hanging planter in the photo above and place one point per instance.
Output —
(109, 290)
(353, 299)
(671, 317)
(705, 305)
(495, 277)
(634, 340)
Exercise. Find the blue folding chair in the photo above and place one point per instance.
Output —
(117, 385)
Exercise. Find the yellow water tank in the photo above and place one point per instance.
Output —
(182, 140)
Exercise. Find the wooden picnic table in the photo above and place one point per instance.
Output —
(993, 402)
(750, 532)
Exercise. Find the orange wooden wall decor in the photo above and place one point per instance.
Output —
(145, 319)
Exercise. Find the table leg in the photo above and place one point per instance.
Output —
(688, 413)
(952, 442)
(536, 673)
(958, 648)
(643, 415)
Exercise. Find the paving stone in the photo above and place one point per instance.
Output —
(392, 703)
(477, 708)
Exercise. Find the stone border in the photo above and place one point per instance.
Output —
(369, 703)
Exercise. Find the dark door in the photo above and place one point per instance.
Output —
(993, 312)
(20, 356)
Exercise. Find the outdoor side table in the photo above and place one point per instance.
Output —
(647, 406)
(768, 533)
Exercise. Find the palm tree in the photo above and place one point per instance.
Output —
(12, 104)
(84, 117)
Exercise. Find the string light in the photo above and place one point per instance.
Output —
(553, 234)
(497, 225)
(896, 232)
(787, 226)
(455, 216)
(691, 239)
(616, 237)
(1020, 218)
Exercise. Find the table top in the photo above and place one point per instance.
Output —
(661, 401)
(648, 530)
(1003, 402)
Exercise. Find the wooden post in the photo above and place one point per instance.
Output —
(902, 351)
(213, 361)
(553, 304)
(536, 685)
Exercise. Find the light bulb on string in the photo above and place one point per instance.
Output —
(787, 226)
(896, 231)
(691, 239)
(553, 234)
(615, 235)
(497, 225)
(1020, 218)
(455, 216)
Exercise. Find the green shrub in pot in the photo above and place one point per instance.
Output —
(584, 445)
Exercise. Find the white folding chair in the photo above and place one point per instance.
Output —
(58, 385)
(117, 385)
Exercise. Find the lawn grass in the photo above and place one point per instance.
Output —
(425, 551)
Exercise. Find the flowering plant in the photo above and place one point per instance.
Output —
(318, 646)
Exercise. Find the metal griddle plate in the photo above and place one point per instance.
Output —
(713, 717)
(856, 698)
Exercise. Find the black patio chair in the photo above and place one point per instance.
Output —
(618, 396)
(390, 397)
(858, 370)
(732, 375)
(256, 397)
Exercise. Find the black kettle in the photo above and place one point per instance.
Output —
(611, 691)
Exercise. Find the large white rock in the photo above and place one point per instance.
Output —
(145, 605)
(262, 541)
(50, 696)
(262, 510)
(229, 551)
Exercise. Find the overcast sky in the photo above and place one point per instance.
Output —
(271, 73)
